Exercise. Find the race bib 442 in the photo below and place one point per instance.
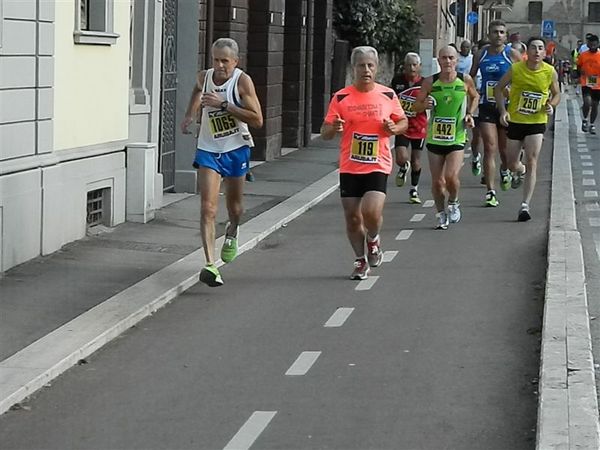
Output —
(444, 129)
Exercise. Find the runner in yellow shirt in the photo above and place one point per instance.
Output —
(534, 93)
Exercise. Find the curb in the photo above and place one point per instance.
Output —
(33, 367)
(567, 404)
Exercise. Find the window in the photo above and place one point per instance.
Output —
(534, 13)
(94, 22)
(594, 12)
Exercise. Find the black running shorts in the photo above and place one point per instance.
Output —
(403, 141)
(489, 113)
(594, 93)
(519, 131)
(444, 150)
(354, 185)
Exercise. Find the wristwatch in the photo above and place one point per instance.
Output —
(224, 105)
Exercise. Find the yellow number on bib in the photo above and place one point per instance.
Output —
(365, 148)
(407, 105)
(530, 103)
(222, 124)
(444, 129)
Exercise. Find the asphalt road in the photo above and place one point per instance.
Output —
(441, 351)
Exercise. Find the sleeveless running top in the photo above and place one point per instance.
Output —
(447, 121)
(220, 132)
(407, 93)
(492, 67)
(529, 92)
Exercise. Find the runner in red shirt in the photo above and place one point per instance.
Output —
(366, 114)
(407, 85)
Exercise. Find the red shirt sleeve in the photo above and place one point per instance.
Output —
(333, 111)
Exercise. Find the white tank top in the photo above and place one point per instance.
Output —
(220, 131)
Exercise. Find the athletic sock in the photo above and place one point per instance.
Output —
(415, 176)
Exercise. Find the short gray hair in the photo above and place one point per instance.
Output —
(363, 50)
(227, 43)
(412, 55)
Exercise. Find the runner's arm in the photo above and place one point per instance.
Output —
(500, 89)
(473, 96)
(475, 65)
(555, 91)
(422, 102)
(333, 122)
(194, 104)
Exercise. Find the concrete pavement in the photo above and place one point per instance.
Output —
(44, 332)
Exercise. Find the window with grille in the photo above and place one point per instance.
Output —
(94, 22)
(98, 207)
(594, 12)
(534, 12)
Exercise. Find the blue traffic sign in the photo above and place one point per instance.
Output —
(472, 18)
(548, 28)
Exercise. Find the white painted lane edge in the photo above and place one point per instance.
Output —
(251, 430)
(404, 235)
(303, 363)
(339, 317)
(597, 244)
(367, 284)
(417, 217)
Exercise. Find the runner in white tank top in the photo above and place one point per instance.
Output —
(227, 100)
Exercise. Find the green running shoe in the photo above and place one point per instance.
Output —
(210, 276)
(230, 246)
(491, 200)
(476, 166)
(505, 180)
(402, 174)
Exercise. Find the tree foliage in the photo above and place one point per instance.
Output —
(391, 26)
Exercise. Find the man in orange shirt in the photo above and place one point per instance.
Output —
(365, 114)
(588, 64)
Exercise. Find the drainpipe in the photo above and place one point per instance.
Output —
(210, 32)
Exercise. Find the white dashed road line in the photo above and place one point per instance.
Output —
(583, 150)
(428, 203)
(588, 172)
(587, 164)
(404, 235)
(585, 156)
(389, 255)
(417, 217)
(597, 244)
(590, 194)
(339, 317)
(589, 182)
(254, 426)
(367, 284)
(594, 221)
(303, 363)
(592, 207)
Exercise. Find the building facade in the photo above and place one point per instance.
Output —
(572, 20)
(92, 93)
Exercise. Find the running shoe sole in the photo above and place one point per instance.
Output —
(211, 279)
(524, 216)
(358, 276)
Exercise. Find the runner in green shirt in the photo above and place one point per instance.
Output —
(452, 99)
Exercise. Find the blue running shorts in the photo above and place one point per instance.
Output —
(234, 163)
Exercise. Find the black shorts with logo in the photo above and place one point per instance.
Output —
(357, 185)
(488, 113)
(403, 141)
